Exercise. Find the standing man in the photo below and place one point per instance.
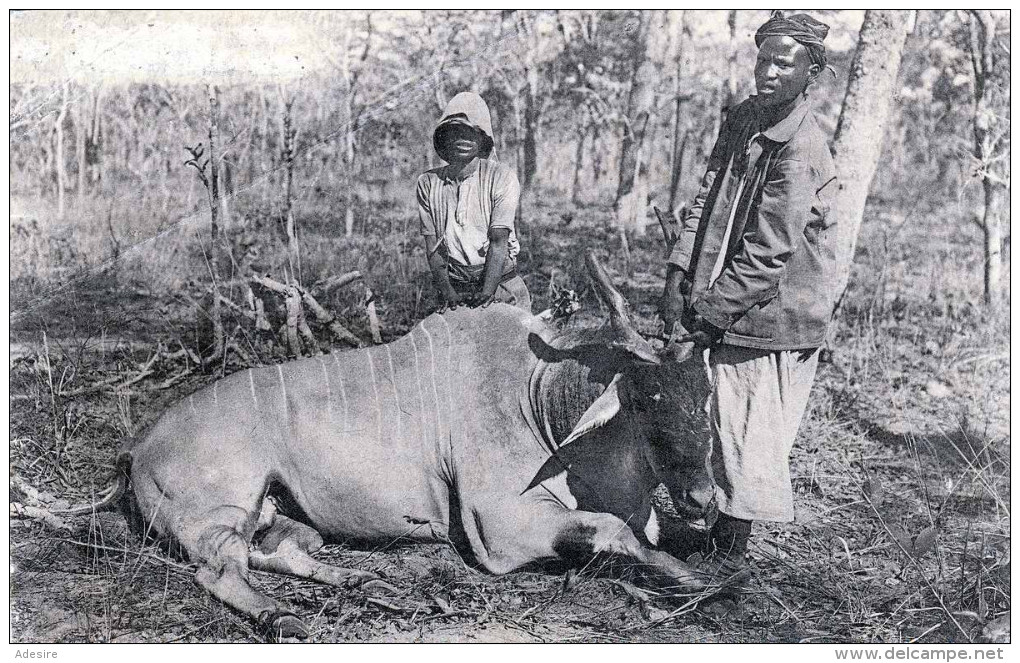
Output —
(467, 210)
(752, 277)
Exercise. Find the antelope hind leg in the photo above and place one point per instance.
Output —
(224, 573)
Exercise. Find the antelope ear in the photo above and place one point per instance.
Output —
(599, 413)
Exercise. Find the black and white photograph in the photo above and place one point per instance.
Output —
(563, 326)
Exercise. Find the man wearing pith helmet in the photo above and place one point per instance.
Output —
(468, 210)
(752, 278)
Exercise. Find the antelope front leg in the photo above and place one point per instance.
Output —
(586, 533)
(287, 547)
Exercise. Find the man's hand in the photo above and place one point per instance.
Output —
(451, 300)
(704, 333)
(482, 299)
(671, 310)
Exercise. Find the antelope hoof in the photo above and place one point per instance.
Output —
(283, 627)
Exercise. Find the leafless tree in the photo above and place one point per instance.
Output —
(862, 123)
(986, 141)
(59, 163)
(288, 135)
(632, 189)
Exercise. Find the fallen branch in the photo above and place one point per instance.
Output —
(31, 494)
(373, 319)
(246, 358)
(338, 281)
(326, 318)
(256, 305)
(293, 303)
(270, 284)
(112, 383)
(389, 606)
(249, 314)
(295, 323)
(184, 352)
(40, 514)
(171, 381)
(305, 331)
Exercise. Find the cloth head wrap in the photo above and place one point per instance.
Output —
(802, 28)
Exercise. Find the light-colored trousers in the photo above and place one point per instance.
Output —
(758, 401)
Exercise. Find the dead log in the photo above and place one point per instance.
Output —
(117, 382)
(322, 315)
(306, 333)
(18, 510)
(373, 319)
(325, 317)
(338, 281)
(293, 303)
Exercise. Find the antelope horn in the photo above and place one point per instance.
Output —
(627, 336)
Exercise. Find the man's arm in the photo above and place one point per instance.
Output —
(753, 274)
(677, 290)
(678, 283)
(440, 276)
(436, 259)
(506, 194)
(495, 259)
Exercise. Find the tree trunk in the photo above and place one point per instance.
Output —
(263, 151)
(677, 168)
(351, 72)
(94, 146)
(982, 51)
(287, 134)
(531, 119)
(993, 244)
(227, 187)
(214, 227)
(575, 188)
(59, 163)
(679, 126)
(348, 157)
(861, 127)
(214, 179)
(81, 122)
(640, 114)
(731, 62)
(526, 103)
(349, 171)
(519, 137)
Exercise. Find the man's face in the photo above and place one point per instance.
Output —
(459, 143)
(783, 71)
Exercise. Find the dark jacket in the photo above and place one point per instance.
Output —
(776, 280)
